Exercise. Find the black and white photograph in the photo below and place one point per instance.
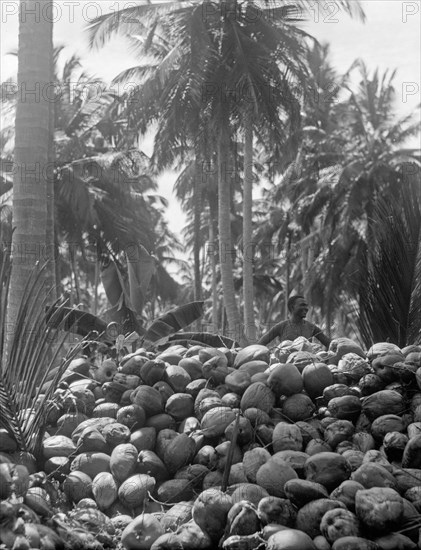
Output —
(210, 275)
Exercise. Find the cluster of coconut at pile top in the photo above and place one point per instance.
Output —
(326, 453)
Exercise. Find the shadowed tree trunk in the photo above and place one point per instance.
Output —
(32, 148)
(213, 254)
(212, 258)
(287, 273)
(226, 251)
(248, 245)
(50, 240)
(197, 215)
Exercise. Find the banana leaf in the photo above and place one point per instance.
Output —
(140, 268)
(74, 320)
(173, 321)
(205, 338)
(121, 310)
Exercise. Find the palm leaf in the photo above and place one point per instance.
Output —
(128, 21)
(390, 301)
(27, 364)
(173, 321)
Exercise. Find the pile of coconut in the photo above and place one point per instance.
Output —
(194, 447)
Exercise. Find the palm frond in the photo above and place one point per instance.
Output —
(390, 302)
(129, 21)
(27, 364)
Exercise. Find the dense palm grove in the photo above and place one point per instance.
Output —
(242, 98)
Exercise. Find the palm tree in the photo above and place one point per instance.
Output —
(169, 93)
(176, 80)
(298, 193)
(212, 58)
(370, 167)
(32, 151)
(359, 159)
(263, 69)
(76, 114)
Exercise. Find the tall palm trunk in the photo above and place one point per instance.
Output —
(225, 241)
(74, 271)
(32, 127)
(96, 284)
(50, 239)
(287, 274)
(213, 255)
(248, 245)
(212, 258)
(197, 215)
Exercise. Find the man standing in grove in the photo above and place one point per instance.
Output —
(295, 325)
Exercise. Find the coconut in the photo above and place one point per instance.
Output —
(123, 461)
(134, 490)
(104, 490)
(379, 508)
(258, 395)
(273, 475)
(210, 512)
(141, 533)
(286, 436)
(252, 460)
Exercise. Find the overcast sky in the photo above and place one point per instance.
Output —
(390, 38)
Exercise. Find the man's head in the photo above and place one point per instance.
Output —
(298, 306)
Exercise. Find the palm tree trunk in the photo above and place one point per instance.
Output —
(304, 262)
(212, 197)
(225, 243)
(96, 284)
(57, 266)
(212, 258)
(197, 216)
(73, 265)
(32, 127)
(50, 228)
(248, 245)
(287, 273)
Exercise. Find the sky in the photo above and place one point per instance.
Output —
(389, 39)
